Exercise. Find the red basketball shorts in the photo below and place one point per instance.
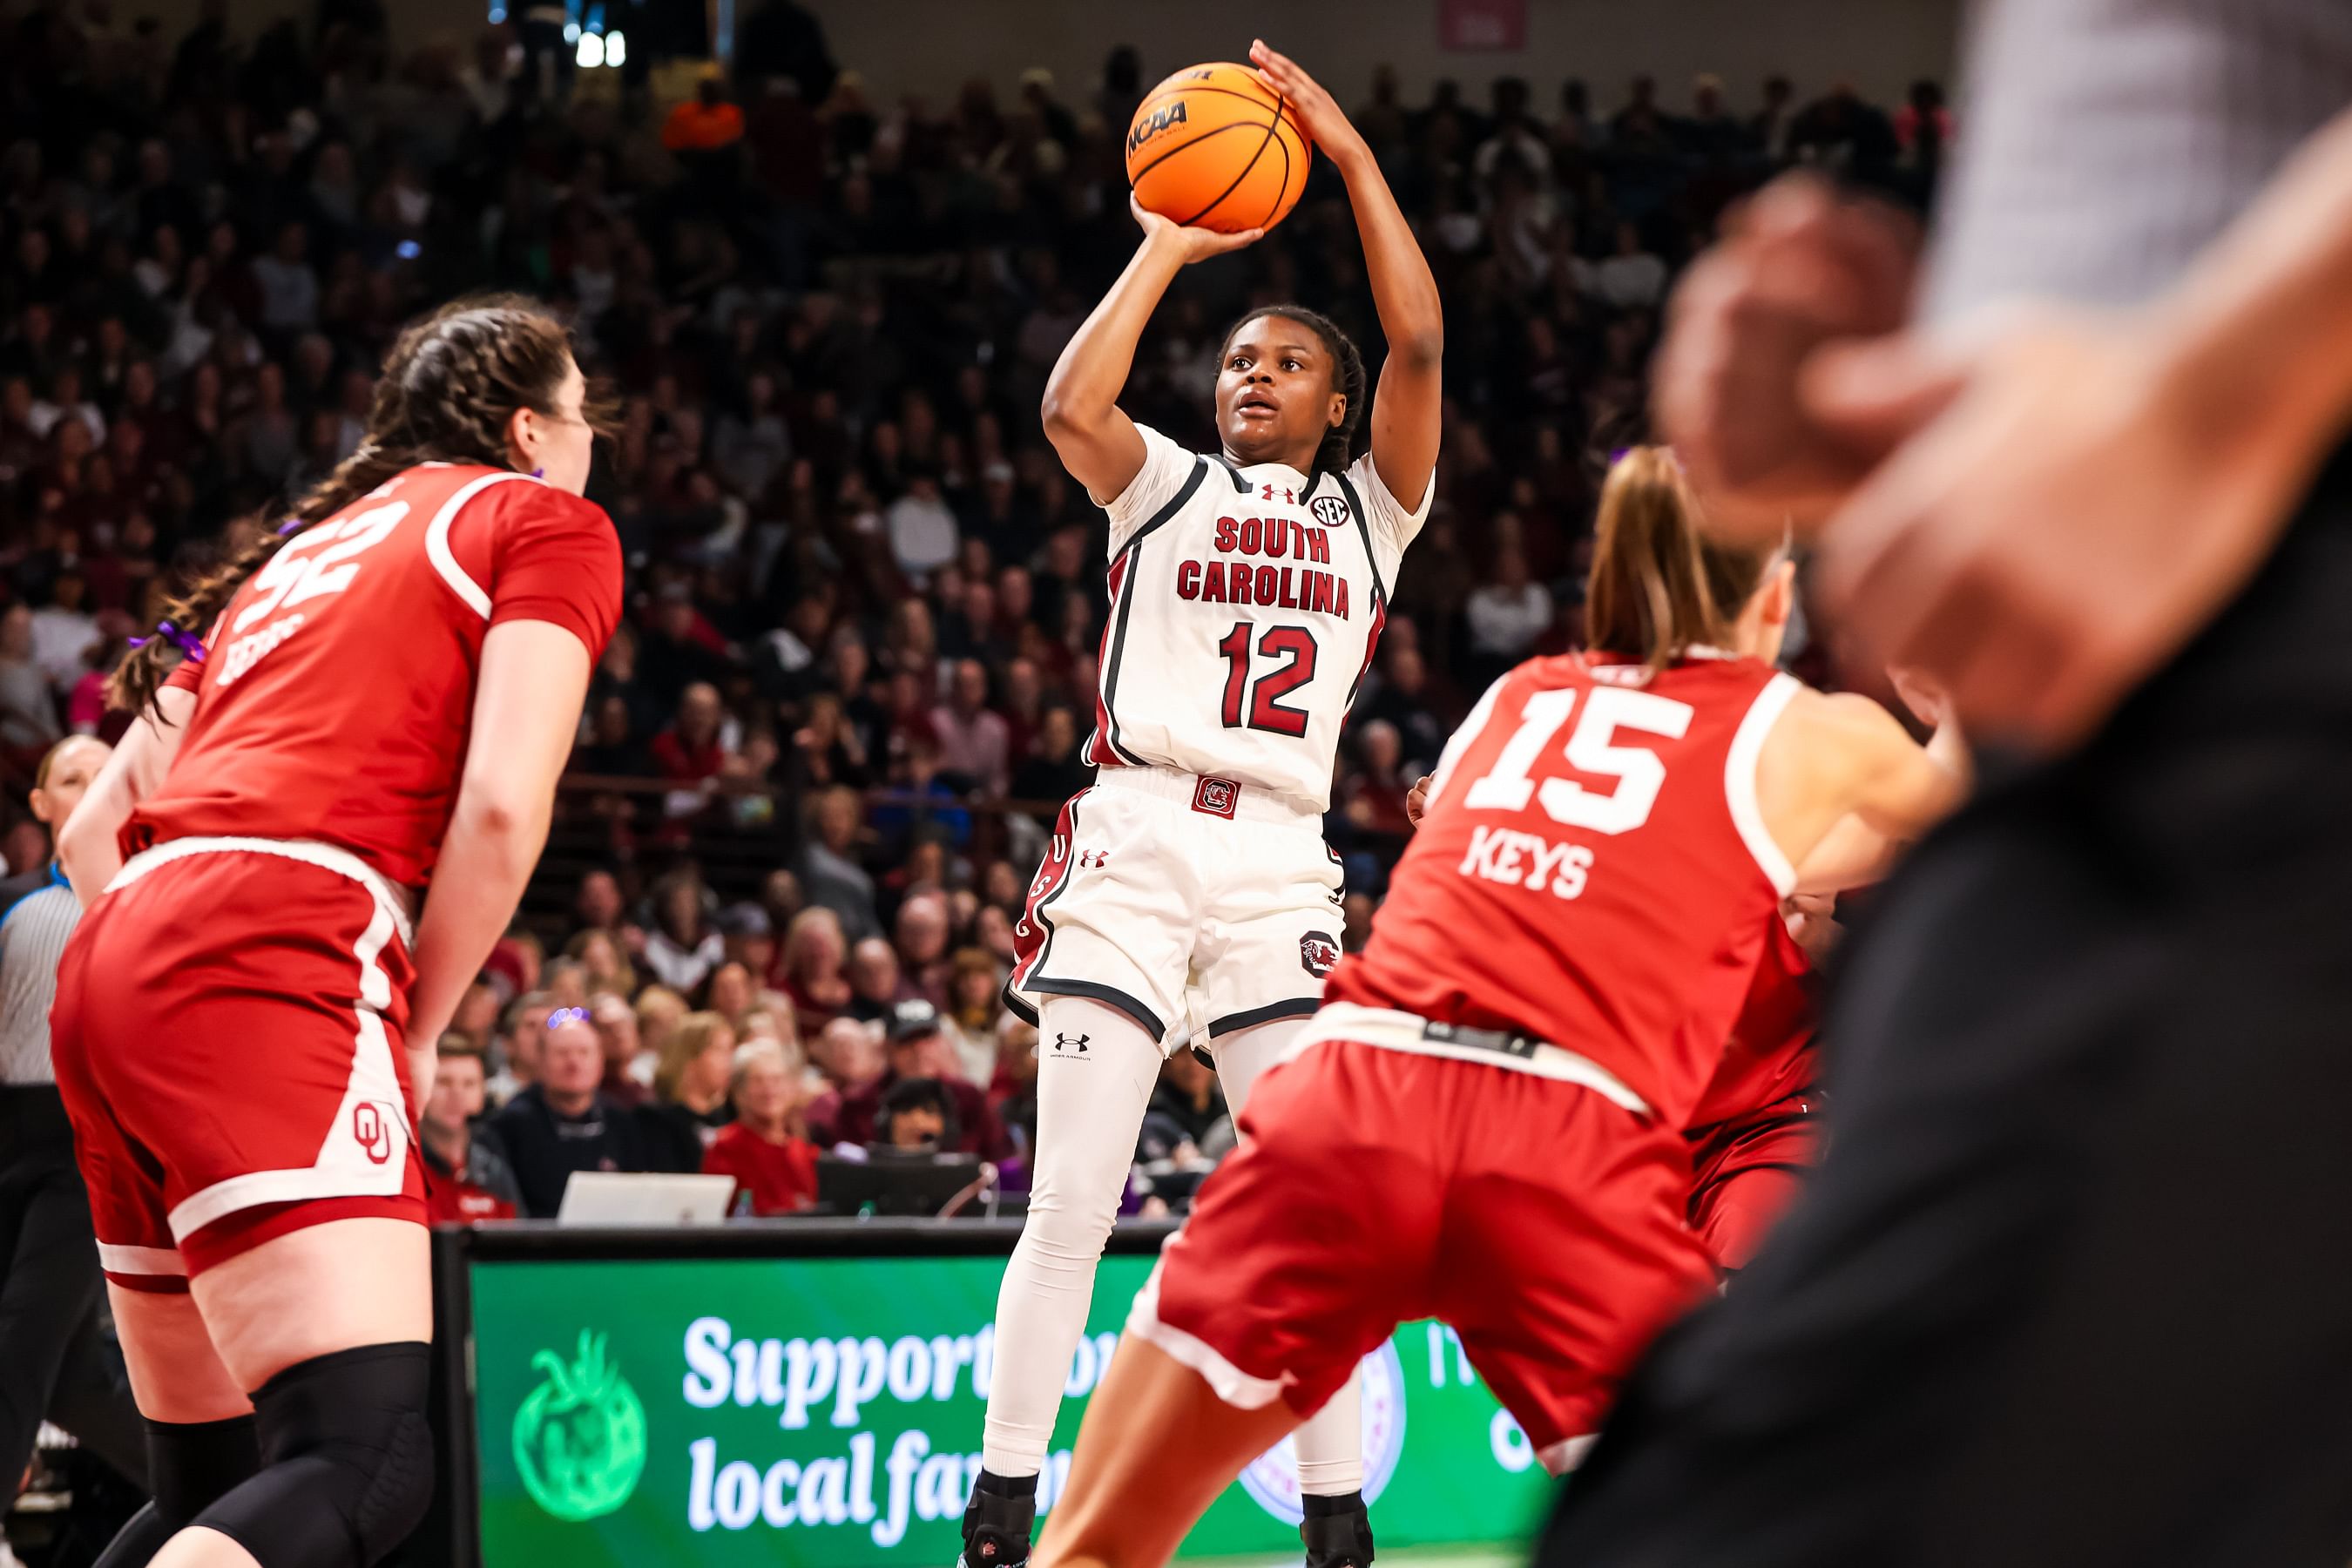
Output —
(1745, 1176)
(227, 1037)
(1372, 1186)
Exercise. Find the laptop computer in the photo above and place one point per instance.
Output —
(888, 1182)
(644, 1198)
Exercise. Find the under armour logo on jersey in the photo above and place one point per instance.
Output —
(1289, 494)
(1093, 859)
(1064, 1043)
(1330, 510)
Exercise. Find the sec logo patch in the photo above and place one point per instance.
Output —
(1330, 510)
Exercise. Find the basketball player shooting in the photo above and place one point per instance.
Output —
(1248, 587)
(1484, 1124)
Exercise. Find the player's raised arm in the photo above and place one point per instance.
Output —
(1098, 443)
(1405, 413)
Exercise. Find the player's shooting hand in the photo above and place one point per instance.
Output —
(1416, 800)
(1319, 115)
(1799, 266)
(1191, 245)
(2059, 531)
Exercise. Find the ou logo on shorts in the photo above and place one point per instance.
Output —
(372, 1131)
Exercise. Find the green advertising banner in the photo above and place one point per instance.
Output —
(827, 1412)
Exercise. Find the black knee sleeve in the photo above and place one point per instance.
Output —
(347, 1461)
(191, 1466)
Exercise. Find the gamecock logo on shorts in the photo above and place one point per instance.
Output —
(1330, 510)
(1217, 797)
(372, 1131)
(1317, 953)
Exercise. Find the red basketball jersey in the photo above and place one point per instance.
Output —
(1592, 870)
(1769, 1056)
(336, 699)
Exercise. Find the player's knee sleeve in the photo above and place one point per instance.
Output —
(347, 1461)
(191, 1466)
(194, 1465)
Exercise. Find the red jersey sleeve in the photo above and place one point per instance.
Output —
(185, 675)
(554, 557)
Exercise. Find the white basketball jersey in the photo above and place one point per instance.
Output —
(1244, 607)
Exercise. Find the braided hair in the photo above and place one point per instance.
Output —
(451, 384)
(1347, 379)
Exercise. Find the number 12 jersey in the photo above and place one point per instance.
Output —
(1245, 604)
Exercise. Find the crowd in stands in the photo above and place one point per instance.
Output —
(864, 601)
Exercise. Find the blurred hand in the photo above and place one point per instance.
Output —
(1416, 800)
(1811, 921)
(1191, 244)
(1320, 114)
(1921, 695)
(1799, 268)
(2071, 520)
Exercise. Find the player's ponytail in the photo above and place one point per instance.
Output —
(1658, 584)
(1347, 379)
(451, 384)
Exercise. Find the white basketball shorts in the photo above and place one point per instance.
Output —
(1156, 880)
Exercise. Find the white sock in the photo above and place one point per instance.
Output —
(1089, 1109)
(1329, 1443)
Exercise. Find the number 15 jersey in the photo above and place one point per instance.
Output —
(1592, 868)
(1245, 604)
(337, 698)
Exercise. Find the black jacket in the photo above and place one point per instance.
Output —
(545, 1148)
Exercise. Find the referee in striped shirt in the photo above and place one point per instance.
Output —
(54, 1363)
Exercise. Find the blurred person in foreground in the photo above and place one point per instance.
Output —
(467, 1176)
(766, 1148)
(2092, 1100)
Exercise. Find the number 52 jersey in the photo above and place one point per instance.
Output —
(1245, 604)
(337, 698)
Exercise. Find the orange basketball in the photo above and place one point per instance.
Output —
(1214, 147)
